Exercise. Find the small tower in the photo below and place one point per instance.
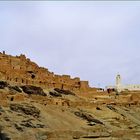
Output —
(118, 82)
(3, 52)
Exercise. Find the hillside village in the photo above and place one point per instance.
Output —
(20, 70)
(36, 104)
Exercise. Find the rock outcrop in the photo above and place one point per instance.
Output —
(33, 90)
(26, 109)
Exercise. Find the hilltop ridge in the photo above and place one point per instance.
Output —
(21, 70)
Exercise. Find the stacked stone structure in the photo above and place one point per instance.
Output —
(20, 70)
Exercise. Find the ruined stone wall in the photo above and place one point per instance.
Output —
(20, 70)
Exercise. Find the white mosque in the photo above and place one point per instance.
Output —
(119, 87)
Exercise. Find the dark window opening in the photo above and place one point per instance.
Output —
(78, 83)
(62, 86)
(30, 71)
(12, 98)
(33, 76)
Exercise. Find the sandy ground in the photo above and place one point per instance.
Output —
(32, 120)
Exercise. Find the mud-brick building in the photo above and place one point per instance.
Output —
(20, 70)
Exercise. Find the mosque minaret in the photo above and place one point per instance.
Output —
(120, 87)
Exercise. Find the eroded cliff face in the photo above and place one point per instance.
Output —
(20, 70)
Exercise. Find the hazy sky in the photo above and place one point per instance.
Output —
(92, 40)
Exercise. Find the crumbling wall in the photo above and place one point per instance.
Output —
(20, 70)
(84, 86)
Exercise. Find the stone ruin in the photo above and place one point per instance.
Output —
(20, 70)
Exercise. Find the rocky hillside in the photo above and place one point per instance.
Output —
(29, 112)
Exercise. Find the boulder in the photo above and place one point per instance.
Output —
(26, 109)
(33, 90)
(15, 88)
(3, 84)
(87, 117)
(55, 94)
(65, 92)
